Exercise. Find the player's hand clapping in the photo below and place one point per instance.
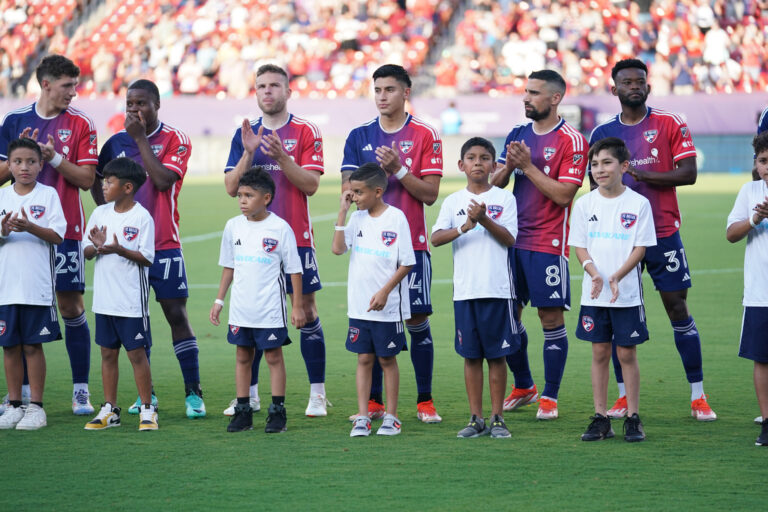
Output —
(98, 236)
(251, 141)
(761, 211)
(389, 158)
(113, 248)
(5, 224)
(476, 212)
(518, 156)
(18, 222)
(272, 146)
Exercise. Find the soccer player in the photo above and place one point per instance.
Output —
(381, 255)
(410, 152)
(258, 250)
(163, 151)
(747, 219)
(663, 157)
(610, 230)
(31, 223)
(290, 149)
(68, 141)
(480, 221)
(548, 158)
(121, 236)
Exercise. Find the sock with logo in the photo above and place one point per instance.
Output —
(255, 369)
(313, 350)
(555, 355)
(77, 337)
(422, 355)
(186, 352)
(689, 347)
(518, 361)
(616, 366)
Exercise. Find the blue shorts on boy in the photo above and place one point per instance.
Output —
(667, 264)
(385, 339)
(70, 266)
(130, 332)
(625, 327)
(28, 325)
(541, 278)
(310, 277)
(168, 275)
(754, 334)
(485, 328)
(260, 338)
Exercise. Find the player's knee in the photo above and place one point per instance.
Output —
(677, 308)
(601, 353)
(626, 355)
(417, 319)
(551, 317)
(244, 355)
(273, 356)
(70, 304)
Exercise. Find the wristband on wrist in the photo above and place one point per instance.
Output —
(219, 302)
(586, 262)
(56, 160)
(339, 228)
(459, 231)
(401, 173)
(752, 221)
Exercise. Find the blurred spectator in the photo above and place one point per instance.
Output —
(450, 120)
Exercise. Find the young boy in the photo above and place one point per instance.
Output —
(481, 222)
(31, 223)
(747, 219)
(610, 230)
(258, 249)
(121, 236)
(379, 237)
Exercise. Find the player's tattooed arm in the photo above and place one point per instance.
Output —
(684, 173)
(160, 176)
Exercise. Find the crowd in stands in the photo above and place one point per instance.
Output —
(331, 47)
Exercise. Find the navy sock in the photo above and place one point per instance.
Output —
(555, 354)
(377, 378)
(255, 367)
(278, 400)
(422, 356)
(313, 351)
(689, 346)
(377, 397)
(26, 376)
(77, 338)
(186, 352)
(518, 361)
(616, 365)
(243, 400)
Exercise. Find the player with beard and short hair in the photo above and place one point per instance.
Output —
(548, 158)
(663, 158)
(290, 149)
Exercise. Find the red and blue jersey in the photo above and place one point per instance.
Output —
(172, 147)
(561, 154)
(656, 143)
(421, 151)
(304, 144)
(74, 137)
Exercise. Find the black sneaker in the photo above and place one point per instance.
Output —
(633, 429)
(762, 439)
(242, 420)
(275, 419)
(599, 429)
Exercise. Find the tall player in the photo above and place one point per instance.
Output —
(291, 150)
(68, 142)
(663, 157)
(163, 151)
(410, 152)
(548, 157)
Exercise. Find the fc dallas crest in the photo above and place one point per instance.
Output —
(37, 210)
(269, 244)
(650, 135)
(130, 233)
(289, 144)
(388, 237)
(628, 220)
(587, 323)
(354, 332)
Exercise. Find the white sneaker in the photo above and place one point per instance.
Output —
(361, 427)
(317, 406)
(759, 420)
(34, 418)
(254, 403)
(390, 426)
(6, 400)
(11, 417)
(81, 403)
(4, 404)
(148, 417)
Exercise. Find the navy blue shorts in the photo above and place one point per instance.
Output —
(667, 264)
(624, 326)
(419, 281)
(70, 266)
(754, 334)
(485, 328)
(540, 278)
(310, 279)
(168, 275)
(22, 324)
(385, 339)
(130, 332)
(265, 338)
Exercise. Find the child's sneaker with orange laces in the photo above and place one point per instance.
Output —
(426, 412)
(701, 410)
(520, 397)
(547, 409)
(619, 409)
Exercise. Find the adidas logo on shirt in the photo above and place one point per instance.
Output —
(360, 233)
(554, 295)
(634, 334)
(139, 337)
(686, 277)
(182, 286)
(461, 212)
(314, 280)
(593, 218)
(391, 344)
(505, 344)
(272, 337)
(121, 155)
(238, 242)
(75, 279)
(367, 147)
(44, 331)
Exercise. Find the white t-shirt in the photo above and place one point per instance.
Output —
(479, 260)
(609, 228)
(756, 253)
(27, 263)
(260, 252)
(121, 286)
(379, 246)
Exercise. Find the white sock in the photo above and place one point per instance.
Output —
(80, 386)
(317, 389)
(697, 390)
(254, 391)
(26, 390)
(622, 391)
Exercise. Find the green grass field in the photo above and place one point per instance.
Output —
(197, 465)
